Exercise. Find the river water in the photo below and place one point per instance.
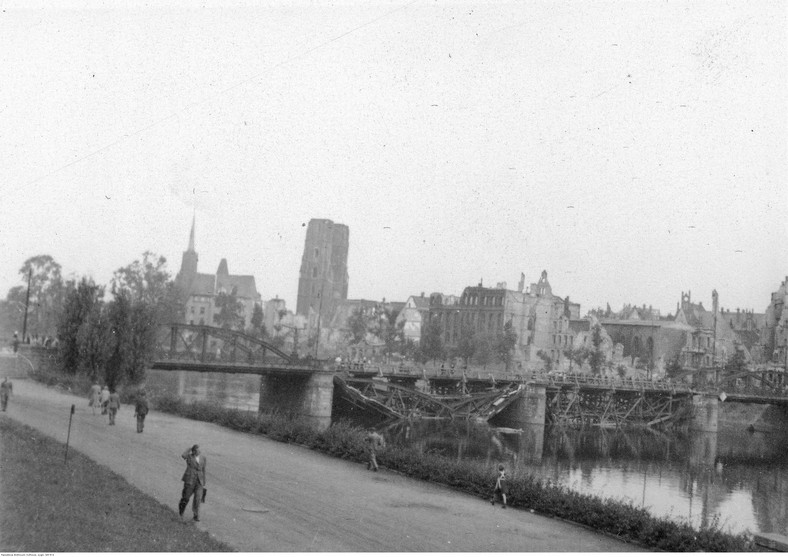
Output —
(735, 478)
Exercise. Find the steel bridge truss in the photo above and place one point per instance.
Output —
(572, 405)
(403, 401)
(204, 344)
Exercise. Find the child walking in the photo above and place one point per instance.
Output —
(500, 486)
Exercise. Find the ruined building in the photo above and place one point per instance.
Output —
(323, 280)
(200, 289)
(774, 335)
(540, 319)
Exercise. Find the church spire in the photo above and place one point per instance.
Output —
(191, 235)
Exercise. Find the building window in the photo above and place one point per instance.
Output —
(202, 312)
(317, 253)
(314, 272)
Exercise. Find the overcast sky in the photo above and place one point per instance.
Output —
(631, 149)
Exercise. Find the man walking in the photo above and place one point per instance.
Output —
(140, 411)
(113, 406)
(374, 442)
(193, 481)
(6, 388)
(94, 400)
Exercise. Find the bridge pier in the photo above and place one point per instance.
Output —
(705, 413)
(306, 396)
(529, 409)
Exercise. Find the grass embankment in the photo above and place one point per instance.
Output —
(344, 441)
(47, 505)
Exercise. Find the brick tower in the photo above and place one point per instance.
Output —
(323, 273)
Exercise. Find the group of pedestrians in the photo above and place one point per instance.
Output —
(108, 400)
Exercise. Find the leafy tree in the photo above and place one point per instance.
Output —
(621, 370)
(576, 356)
(230, 314)
(391, 333)
(736, 363)
(673, 367)
(596, 357)
(358, 323)
(432, 341)
(149, 282)
(46, 293)
(547, 359)
(466, 344)
(505, 343)
(257, 328)
(80, 302)
(484, 352)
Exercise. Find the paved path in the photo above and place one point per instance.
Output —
(269, 496)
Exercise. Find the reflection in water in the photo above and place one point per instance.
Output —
(735, 479)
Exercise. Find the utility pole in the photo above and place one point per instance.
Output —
(319, 317)
(27, 303)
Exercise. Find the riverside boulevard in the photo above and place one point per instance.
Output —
(269, 496)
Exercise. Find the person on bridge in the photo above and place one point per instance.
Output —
(375, 442)
(6, 388)
(141, 410)
(193, 481)
(500, 487)
(113, 405)
(94, 399)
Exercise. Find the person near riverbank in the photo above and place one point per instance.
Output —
(104, 399)
(375, 442)
(94, 398)
(6, 388)
(113, 405)
(141, 410)
(500, 486)
(193, 481)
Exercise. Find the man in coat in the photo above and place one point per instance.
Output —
(193, 481)
(113, 405)
(141, 410)
(6, 388)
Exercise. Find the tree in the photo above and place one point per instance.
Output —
(596, 357)
(547, 359)
(358, 324)
(230, 314)
(673, 367)
(46, 293)
(80, 303)
(736, 363)
(257, 328)
(576, 356)
(466, 344)
(391, 333)
(149, 282)
(484, 352)
(432, 341)
(505, 343)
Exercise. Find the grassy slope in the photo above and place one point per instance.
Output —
(49, 506)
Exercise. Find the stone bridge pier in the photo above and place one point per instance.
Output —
(529, 409)
(308, 396)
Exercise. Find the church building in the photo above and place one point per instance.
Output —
(200, 289)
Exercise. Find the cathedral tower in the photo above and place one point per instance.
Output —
(323, 280)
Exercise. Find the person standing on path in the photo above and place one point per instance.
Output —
(193, 481)
(104, 399)
(500, 487)
(141, 410)
(94, 399)
(113, 405)
(374, 443)
(6, 388)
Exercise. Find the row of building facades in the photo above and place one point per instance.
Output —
(546, 326)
